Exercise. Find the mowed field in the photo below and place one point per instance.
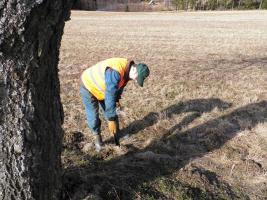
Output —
(198, 127)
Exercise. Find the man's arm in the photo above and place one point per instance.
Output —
(112, 79)
(119, 94)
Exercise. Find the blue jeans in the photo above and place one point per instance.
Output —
(91, 105)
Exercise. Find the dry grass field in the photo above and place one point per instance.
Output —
(196, 130)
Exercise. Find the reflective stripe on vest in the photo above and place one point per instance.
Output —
(93, 78)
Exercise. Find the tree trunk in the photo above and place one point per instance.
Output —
(239, 3)
(31, 112)
(260, 4)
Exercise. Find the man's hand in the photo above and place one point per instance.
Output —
(112, 126)
(118, 105)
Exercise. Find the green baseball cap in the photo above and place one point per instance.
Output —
(143, 72)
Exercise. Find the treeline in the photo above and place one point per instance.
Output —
(219, 4)
(160, 5)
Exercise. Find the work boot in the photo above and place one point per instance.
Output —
(98, 142)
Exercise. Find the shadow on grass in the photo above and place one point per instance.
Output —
(196, 107)
(121, 177)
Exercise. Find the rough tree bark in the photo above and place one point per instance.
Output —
(31, 111)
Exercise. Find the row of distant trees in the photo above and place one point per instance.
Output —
(150, 5)
(219, 4)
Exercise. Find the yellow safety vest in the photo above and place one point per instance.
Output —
(93, 78)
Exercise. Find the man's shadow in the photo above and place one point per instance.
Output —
(169, 153)
(195, 107)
